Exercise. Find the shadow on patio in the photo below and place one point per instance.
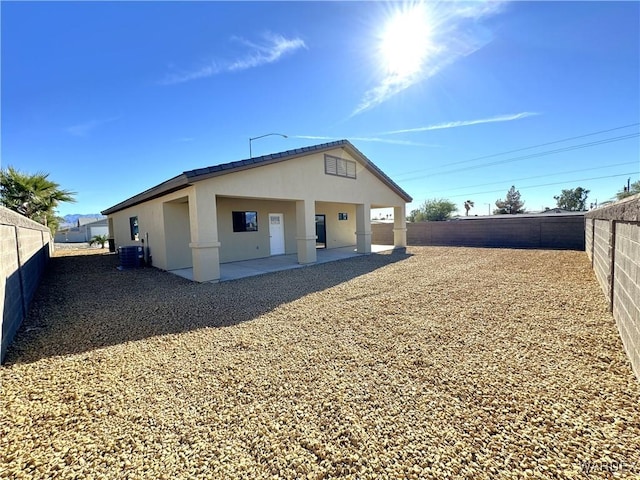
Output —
(85, 303)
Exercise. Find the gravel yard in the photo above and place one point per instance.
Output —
(441, 363)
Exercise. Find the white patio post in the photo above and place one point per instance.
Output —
(363, 228)
(400, 226)
(306, 231)
(205, 247)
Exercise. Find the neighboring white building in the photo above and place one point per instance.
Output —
(82, 232)
(284, 203)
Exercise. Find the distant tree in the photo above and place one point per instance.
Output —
(101, 239)
(634, 188)
(572, 199)
(433, 210)
(511, 204)
(412, 215)
(467, 206)
(34, 196)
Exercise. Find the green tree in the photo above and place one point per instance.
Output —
(101, 239)
(434, 210)
(572, 199)
(34, 196)
(412, 217)
(634, 189)
(512, 204)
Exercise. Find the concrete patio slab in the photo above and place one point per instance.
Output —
(259, 266)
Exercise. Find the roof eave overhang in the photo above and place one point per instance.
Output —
(373, 168)
(172, 185)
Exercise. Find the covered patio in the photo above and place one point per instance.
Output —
(259, 266)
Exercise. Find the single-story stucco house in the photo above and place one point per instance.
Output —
(285, 203)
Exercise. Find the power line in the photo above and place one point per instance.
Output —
(526, 148)
(547, 184)
(533, 155)
(555, 174)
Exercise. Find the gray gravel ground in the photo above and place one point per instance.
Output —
(441, 363)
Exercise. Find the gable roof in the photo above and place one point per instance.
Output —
(189, 177)
(92, 221)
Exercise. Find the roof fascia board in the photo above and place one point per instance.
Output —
(172, 185)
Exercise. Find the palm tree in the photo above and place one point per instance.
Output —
(34, 196)
(467, 206)
(101, 239)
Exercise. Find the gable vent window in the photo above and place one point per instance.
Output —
(339, 167)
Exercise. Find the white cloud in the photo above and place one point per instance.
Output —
(464, 123)
(271, 49)
(314, 137)
(391, 141)
(85, 128)
(453, 32)
(181, 77)
(366, 139)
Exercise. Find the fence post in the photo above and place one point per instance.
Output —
(20, 273)
(593, 239)
(612, 266)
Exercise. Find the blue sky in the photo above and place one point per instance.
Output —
(114, 98)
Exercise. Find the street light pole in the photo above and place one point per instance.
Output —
(262, 136)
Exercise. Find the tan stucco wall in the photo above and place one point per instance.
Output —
(177, 234)
(304, 178)
(246, 245)
(340, 233)
(150, 220)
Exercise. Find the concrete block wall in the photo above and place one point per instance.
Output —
(588, 237)
(382, 233)
(508, 231)
(602, 253)
(25, 247)
(614, 242)
(626, 288)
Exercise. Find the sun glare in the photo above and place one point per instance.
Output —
(406, 41)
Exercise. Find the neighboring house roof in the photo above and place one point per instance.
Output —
(89, 221)
(95, 223)
(189, 177)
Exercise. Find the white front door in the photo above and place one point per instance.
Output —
(276, 233)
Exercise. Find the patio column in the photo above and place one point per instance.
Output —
(205, 247)
(306, 231)
(363, 228)
(400, 226)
